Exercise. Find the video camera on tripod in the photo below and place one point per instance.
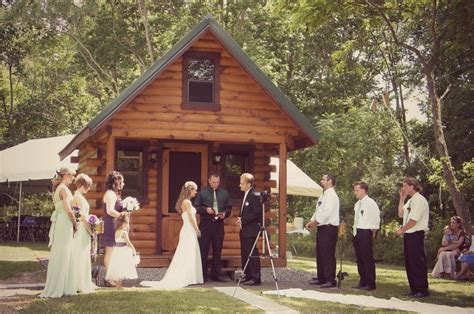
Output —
(264, 196)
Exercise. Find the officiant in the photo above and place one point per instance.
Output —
(213, 205)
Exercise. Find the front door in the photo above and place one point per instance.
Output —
(181, 163)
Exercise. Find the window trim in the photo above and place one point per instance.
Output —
(138, 146)
(237, 149)
(194, 105)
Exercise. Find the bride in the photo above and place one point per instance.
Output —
(185, 268)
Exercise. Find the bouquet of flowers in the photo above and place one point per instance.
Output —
(130, 204)
(77, 213)
(97, 225)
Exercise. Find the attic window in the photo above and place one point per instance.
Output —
(201, 81)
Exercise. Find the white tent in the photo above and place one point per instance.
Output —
(297, 182)
(33, 160)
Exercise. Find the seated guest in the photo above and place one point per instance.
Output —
(451, 246)
(466, 259)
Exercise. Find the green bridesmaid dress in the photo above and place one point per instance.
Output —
(82, 249)
(60, 279)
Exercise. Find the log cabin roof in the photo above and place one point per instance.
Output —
(207, 24)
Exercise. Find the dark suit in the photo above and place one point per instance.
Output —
(251, 218)
(212, 230)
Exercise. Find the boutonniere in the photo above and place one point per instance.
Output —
(247, 204)
(319, 203)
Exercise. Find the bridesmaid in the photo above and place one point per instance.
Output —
(82, 238)
(60, 278)
(112, 209)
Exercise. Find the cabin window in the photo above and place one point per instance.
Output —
(132, 163)
(237, 159)
(201, 81)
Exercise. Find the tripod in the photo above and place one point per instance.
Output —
(264, 232)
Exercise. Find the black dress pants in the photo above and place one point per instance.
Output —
(365, 257)
(415, 261)
(212, 232)
(326, 239)
(253, 268)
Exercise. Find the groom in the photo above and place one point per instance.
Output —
(213, 205)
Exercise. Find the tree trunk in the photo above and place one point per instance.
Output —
(460, 204)
(144, 14)
(400, 115)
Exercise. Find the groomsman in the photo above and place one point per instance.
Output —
(250, 220)
(213, 205)
(326, 219)
(415, 214)
(366, 224)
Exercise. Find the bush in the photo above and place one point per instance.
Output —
(39, 204)
(33, 204)
(304, 245)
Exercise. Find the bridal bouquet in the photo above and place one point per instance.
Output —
(130, 204)
(77, 213)
(97, 225)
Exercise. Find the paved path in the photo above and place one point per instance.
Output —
(369, 301)
(262, 303)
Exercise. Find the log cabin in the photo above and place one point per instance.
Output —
(203, 106)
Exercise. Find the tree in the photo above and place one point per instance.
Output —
(419, 29)
(437, 17)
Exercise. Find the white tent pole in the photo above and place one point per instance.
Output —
(19, 214)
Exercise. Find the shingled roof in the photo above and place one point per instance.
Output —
(207, 24)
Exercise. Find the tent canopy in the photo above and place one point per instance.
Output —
(298, 182)
(34, 159)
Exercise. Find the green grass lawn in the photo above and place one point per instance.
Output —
(392, 282)
(19, 258)
(23, 251)
(10, 269)
(113, 301)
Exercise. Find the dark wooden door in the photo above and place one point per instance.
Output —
(181, 163)
(184, 166)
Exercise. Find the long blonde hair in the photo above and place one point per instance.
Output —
(185, 194)
(60, 175)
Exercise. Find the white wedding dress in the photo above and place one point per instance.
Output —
(185, 268)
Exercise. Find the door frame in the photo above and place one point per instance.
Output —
(167, 228)
(181, 147)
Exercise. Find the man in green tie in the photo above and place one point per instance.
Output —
(213, 205)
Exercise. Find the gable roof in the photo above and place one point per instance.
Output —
(207, 24)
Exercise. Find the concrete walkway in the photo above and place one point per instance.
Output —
(370, 301)
(262, 303)
(12, 289)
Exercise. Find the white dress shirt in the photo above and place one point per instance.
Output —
(243, 201)
(366, 214)
(417, 209)
(327, 209)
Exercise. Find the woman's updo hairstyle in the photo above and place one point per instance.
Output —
(58, 177)
(111, 181)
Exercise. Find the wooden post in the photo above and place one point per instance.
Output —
(110, 164)
(282, 202)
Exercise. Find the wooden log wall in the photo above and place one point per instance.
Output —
(92, 161)
(247, 113)
(262, 170)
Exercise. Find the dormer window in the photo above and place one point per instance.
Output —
(201, 81)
